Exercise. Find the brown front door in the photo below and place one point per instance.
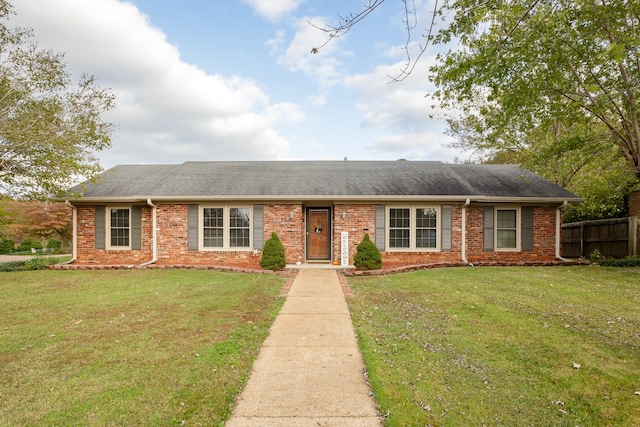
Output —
(318, 234)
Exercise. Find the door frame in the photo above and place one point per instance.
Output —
(329, 212)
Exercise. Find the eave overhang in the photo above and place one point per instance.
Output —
(301, 198)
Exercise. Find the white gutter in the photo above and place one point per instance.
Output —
(74, 238)
(154, 234)
(559, 231)
(333, 197)
(464, 230)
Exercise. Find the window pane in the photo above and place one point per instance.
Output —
(426, 218)
(119, 220)
(425, 238)
(426, 221)
(239, 226)
(399, 238)
(213, 231)
(506, 239)
(506, 219)
(399, 227)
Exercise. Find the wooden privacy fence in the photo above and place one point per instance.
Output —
(616, 238)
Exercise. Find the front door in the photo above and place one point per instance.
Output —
(318, 234)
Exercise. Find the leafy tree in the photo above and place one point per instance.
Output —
(29, 243)
(19, 219)
(7, 245)
(50, 127)
(526, 64)
(367, 255)
(523, 70)
(53, 244)
(273, 257)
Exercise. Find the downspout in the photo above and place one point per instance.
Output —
(154, 233)
(559, 231)
(74, 237)
(464, 231)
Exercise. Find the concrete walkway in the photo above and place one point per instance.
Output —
(309, 371)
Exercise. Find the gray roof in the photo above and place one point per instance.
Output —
(288, 180)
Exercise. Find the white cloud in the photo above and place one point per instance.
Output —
(325, 67)
(167, 111)
(274, 9)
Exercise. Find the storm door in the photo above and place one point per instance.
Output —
(318, 234)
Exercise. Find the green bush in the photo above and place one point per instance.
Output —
(38, 262)
(7, 246)
(368, 256)
(53, 244)
(28, 243)
(632, 261)
(273, 257)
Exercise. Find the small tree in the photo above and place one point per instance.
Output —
(368, 256)
(273, 257)
(53, 244)
(7, 246)
(28, 243)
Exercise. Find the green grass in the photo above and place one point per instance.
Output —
(497, 346)
(135, 347)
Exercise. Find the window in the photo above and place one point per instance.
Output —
(119, 228)
(413, 228)
(225, 227)
(507, 230)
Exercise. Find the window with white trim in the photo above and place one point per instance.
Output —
(507, 229)
(225, 227)
(119, 229)
(413, 228)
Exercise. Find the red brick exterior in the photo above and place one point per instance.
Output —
(544, 240)
(172, 238)
(634, 203)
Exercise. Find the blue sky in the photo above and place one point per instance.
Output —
(236, 80)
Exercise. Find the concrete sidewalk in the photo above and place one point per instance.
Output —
(309, 371)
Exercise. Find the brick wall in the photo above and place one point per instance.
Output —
(86, 246)
(634, 203)
(172, 248)
(544, 240)
(359, 220)
(277, 217)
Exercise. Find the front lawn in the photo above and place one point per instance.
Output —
(496, 346)
(129, 347)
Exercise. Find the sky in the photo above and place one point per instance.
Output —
(236, 79)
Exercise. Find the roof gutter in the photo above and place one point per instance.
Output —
(464, 231)
(559, 231)
(154, 233)
(74, 238)
(335, 198)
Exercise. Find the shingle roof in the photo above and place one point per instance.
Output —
(301, 179)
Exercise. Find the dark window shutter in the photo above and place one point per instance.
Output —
(100, 228)
(487, 240)
(258, 227)
(136, 228)
(192, 227)
(447, 225)
(380, 227)
(527, 228)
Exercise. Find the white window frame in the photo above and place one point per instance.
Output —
(108, 228)
(226, 228)
(412, 228)
(518, 228)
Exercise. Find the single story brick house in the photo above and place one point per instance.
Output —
(221, 213)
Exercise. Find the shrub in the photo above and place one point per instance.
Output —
(368, 256)
(28, 243)
(273, 254)
(595, 256)
(632, 261)
(7, 246)
(53, 244)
